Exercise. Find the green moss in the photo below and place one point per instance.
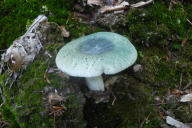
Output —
(28, 98)
(184, 114)
(28, 24)
(176, 46)
(144, 27)
(9, 116)
(25, 99)
(15, 14)
(155, 27)
(186, 50)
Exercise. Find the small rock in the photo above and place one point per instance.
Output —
(137, 68)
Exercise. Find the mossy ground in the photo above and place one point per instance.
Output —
(25, 101)
(27, 104)
(155, 30)
(15, 15)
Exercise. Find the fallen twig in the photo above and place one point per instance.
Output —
(190, 82)
(142, 3)
(141, 125)
(160, 59)
(131, 96)
(122, 6)
(189, 21)
(184, 41)
(180, 84)
(174, 2)
(113, 95)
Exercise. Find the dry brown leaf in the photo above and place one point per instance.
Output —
(55, 97)
(177, 92)
(58, 107)
(184, 41)
(46, 77)
(188, 91)
(65, 33)
(186, 98)
(175, 123)
(62, 74)
(94, 2)
(110, 81)
(114, 5)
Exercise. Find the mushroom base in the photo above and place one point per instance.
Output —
(95, 83)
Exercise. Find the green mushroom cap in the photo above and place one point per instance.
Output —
(92, 55)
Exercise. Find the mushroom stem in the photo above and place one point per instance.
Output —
(95, 83)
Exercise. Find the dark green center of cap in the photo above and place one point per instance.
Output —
(95, 46)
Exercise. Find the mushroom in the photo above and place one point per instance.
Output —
(91, 56)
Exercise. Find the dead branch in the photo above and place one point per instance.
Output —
(142, 3)
(190, 82)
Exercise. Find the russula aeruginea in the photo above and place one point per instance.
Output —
(91, 56)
